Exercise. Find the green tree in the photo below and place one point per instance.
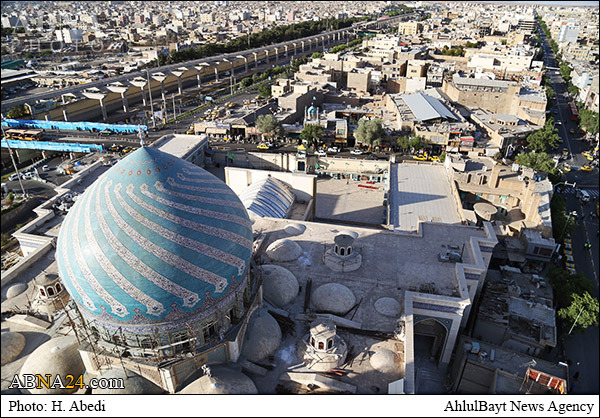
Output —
(582, 312)
(246, 82)
(550, 93)
(317, 55)
(562, 225)
(588, 120)
(403, 143)
(264, 90)
(566, 284)
(565, 72)
(269, 125)
(544, 138)
(369, 131)
(17, 111)
(312, 134)
(539, 161)
(573, 90)
(415, 143)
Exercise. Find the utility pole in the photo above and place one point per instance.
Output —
(151, 104)
(573, 326)
(12, 158)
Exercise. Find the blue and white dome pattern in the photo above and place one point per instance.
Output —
(152, 236)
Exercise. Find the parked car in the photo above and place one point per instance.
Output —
(264, 145)
(586, 167)
(46, 168)
(587, 155)
(333, 150)
(356, 151)
(320, 153)
(15, 176)
(420, 157)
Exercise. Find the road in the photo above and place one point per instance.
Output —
(580, 348)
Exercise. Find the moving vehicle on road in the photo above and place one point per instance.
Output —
(420, 157)
(588, 155)
(573, 112)
(356, 151)
(586, 167)
(264, 145)
(333, 150)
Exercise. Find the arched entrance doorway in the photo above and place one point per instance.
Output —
(430, 337)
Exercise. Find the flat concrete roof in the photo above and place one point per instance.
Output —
(391, 262)
(421, 192)
(341, 201)
(179, 145)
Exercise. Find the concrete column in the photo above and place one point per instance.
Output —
(276, 55)
(141, 84)
(216, 71)
(286, 50)
(245, 61)
(161, 77)
(96, 94)
(267, 57)
(199, 68)
(122, 90)
(178, 73)
(64, 110)
(255, 59)
(302, 42)
(47, 117)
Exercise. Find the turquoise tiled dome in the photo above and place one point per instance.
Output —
(154, 239)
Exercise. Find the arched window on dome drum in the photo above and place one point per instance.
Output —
(50, 291)
(58, 288)
(210, 332)
(342, 251)
(329, 343)
(94, 332)
(42, 292)
(312, 341)
(349, 250)
(181, 342)
(146, 343)
(321, 345)
(231, 316)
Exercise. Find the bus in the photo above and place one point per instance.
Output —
(573, 112)
(25, 135)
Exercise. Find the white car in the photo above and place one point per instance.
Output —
(356, 151)
(321, 153)
(46, 168)
(333, 150)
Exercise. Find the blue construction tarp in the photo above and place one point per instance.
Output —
(52, 146)
(74, 126)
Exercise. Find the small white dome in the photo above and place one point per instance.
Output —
(12, 345)
(59, 356)
(15, 290)
(388, 307)
(133, 383)
(333, 297)
(295, 229)
(263, 336)
(284, 250)
(280, 286)
(384, 360)
(222, 381)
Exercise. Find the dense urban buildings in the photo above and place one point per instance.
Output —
(288, 197)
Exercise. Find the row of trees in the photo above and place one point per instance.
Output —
(266, 37)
